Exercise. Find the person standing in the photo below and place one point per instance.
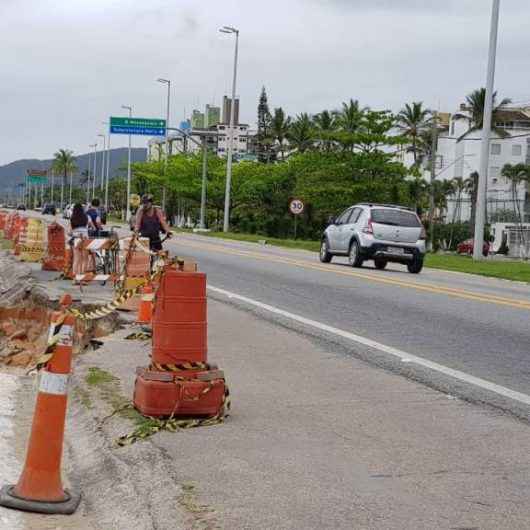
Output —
(93, 213)
(150, 222)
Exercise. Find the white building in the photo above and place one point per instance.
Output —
(240, 145)
(459, 156)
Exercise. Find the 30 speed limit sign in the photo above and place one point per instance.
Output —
(296, 206)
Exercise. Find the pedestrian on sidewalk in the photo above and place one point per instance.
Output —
(150, 221)
(80, 223)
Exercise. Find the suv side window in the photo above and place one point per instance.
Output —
(343, 217)
(354, 217)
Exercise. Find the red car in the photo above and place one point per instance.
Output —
(466, 247)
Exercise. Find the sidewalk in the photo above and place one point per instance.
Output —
(317, 440)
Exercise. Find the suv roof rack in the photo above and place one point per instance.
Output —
(386, 205)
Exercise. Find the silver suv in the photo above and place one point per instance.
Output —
(379, 232)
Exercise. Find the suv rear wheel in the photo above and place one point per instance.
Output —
(325, 256)
(380, 264)
(415, 265)
(354, 256)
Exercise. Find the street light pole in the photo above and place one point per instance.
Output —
(204, 172)
(103, 161)
(128, 214)
(168, 83)
(480, 215)
(95, 169)
(226, 220)
(88, 174)
(107, 176)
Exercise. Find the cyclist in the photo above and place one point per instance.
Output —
(150, 222)
(94, 215)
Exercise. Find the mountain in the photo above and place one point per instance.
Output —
(14, 173)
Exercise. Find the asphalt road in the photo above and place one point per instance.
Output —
(477, 326)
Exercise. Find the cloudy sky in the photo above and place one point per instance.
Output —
(66, 65)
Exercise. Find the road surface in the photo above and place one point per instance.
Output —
(468, 335)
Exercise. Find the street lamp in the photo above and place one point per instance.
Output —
(226, 220)
(103, 160)
(88, 173)
(128, 214)
(95, 169)
(486, 132)
(168, 83)
(108, 168)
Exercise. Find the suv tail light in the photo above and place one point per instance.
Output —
(368, 229)
(423, 233)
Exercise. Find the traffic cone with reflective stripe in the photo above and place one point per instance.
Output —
(39, 488)
(145, 310)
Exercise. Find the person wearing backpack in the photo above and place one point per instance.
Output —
(150, 222)
(94, 215)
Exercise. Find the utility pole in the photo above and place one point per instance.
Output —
(434, 147)
(226, 220)
(480, 214)
(204, 174)
(95, 169)
(128, 214)
(53, 182)
(103, 161)
(108, 169)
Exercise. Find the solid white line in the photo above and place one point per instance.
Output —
(402, 355)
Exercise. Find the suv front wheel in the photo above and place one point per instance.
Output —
(354, 256)
(325, 256)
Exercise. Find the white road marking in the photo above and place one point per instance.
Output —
(402, 355)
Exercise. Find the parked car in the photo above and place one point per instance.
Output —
(379, 232)
(21, 207)
(466, 247)
(49, 209)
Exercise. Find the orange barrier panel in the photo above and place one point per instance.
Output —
(179, 318)
(19, 238)
(39, 488)
(55, 257)
(145, 309)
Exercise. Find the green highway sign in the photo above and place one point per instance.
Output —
(139, 126)
(37, 179)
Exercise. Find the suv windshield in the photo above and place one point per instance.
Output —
(395, 217)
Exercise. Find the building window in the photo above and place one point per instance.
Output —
(494, 175)
(221, 149)
(517, 150)
(242, 139)
(221, 127)
(495, 149)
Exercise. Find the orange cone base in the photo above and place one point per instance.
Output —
(9, 500)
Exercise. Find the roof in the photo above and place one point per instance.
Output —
(511, 115)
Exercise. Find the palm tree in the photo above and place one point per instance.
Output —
(516, 174)
(476, 101)
(459, 186)
(350, 115)
(279, 128)
(325, 122)
(417, 188)
(64, 163)
(413, 120)
(301, 134)
(471, 188)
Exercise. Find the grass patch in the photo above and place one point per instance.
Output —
(302, 244)
(508, 270)
(97, 376)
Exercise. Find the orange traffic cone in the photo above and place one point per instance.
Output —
(145, 310)
(39, 488)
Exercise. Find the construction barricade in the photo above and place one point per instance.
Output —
(136, 260)
(19, 234)
(55, 256)
(32, 249)
(179, 383)
(3, 218)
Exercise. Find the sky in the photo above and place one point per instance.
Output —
(67, 65)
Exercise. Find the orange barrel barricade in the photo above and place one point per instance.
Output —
(179, 318)
(55, 257)
(3, 217)
(8, 228)
(39, 488)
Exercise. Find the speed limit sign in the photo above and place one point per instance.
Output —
(296, 206)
